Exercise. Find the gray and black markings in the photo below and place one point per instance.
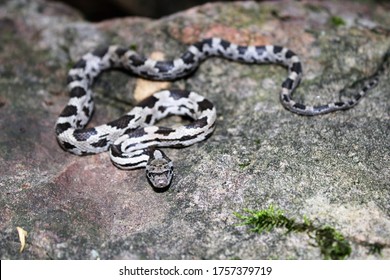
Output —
(133, 139)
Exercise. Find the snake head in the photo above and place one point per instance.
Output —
(159, 170)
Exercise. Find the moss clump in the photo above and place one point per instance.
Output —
(337, 21)
(133, 47)
(244, 165)
(332, 243)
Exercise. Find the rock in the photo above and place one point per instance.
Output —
(334, 169)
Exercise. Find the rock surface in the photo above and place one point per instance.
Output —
(334, 169)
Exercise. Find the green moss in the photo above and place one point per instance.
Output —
(337, 21)
(133, 47)
(243, 165)
(375, 248)
(331, 243)
(264, 220)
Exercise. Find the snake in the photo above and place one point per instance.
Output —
(134, 140)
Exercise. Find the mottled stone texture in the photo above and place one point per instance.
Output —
(334, 168)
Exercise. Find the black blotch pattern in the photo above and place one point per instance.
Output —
(242, 50)
(61, 127)
(129, 130)
(289, 54)
(177, 94)
(288, 83)
(162, 109)
(101, 143)
(137, 133)
(260, 50)
(67, 146)
(199, 123)
(68, 111)
(148, 102)
(122, 122)
(100, 51)
(86, 111)
(120, 51)
(299, 106)
(137, 60)
(320, 107)
(278, 49)
(116, 151)
(199, 46)
(208, 41)
(164, 66)
(285, 98)
(296, 67)
(339, 104)
(188, 57)
(372, 84)
(225, 44)
(164, 131)
(148, 119)
(205, 104)
(72, 78)
(77, 92)
(80, 64)
(84, 134)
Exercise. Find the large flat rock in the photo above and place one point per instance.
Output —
(334, 169)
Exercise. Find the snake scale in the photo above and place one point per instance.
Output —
(134, 140)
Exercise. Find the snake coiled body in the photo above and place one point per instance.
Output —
(133, 139)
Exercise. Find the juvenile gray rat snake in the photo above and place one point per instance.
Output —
(133, 139)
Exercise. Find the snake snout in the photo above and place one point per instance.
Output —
(159, 171)
(160, 180)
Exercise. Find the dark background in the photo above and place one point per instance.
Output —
(97, 10)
